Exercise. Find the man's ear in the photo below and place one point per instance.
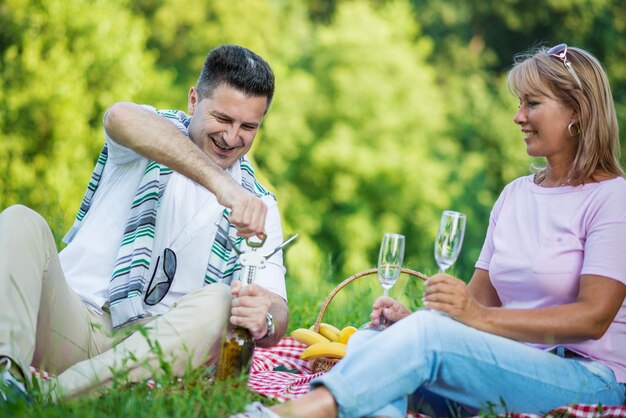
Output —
(192, 100)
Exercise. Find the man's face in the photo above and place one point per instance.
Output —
(225, 124)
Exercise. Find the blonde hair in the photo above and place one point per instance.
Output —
(596, 128)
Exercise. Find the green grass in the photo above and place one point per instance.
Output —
(195, 396)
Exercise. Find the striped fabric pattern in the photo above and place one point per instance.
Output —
(129, 277)
(223, 263)
(91, 189)
(133, 258)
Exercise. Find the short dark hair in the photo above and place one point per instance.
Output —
(238, 67)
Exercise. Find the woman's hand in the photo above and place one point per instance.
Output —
(451, 296)
(388, 309)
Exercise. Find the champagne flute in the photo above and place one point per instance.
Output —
(390, 260)
(449, 239)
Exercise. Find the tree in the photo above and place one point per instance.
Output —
(489, 34)
(62, 64)
(358, 160)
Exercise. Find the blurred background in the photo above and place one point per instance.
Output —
(385, 114)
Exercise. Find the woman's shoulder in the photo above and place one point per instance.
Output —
(522, 182)
(613, 189)
(514, 188)
(615, 184)
(606, 199)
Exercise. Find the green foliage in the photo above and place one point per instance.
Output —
(386, 113)
(489, 34)
(61, 66)
(362, 152)
(382, 117)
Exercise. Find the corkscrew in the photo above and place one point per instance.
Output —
(252, 260)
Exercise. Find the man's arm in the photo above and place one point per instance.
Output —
(158, 139)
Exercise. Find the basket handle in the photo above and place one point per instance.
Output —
(318, 321)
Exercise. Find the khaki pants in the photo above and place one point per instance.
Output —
(45, 324)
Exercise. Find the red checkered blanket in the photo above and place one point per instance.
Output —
(279, 373)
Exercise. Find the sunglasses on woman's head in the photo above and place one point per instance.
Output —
(560, 51)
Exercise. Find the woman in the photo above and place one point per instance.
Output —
(542, 322)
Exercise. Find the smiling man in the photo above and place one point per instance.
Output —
(145, 248)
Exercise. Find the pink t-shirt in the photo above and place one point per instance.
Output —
(541, 240)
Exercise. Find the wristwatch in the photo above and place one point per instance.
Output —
(271, 329)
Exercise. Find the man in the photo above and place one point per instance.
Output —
(146, 248)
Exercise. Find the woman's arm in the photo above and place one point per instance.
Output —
(598, 301)
(482, 290)
(392, 311)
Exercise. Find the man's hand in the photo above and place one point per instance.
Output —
(388, 309)
(248, 212)
(450, 295)
(249, 309)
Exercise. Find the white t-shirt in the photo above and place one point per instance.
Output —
(185, 223)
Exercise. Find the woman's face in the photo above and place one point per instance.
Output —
(544, 121)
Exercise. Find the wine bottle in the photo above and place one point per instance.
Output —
(237, 344)
(236, 353)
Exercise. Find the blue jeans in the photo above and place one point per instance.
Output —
(432, 353)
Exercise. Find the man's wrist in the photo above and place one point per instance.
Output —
(271, 328)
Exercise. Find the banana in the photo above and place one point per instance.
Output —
(308, 337)
(329, 331)
(330, 350)
(346, 333)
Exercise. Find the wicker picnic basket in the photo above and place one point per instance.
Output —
(323, 364)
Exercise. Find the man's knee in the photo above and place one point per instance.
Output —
(217, 291)
(20, 218)
(214, 291)
(210, 303)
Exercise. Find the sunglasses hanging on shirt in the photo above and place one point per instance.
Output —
(156, 292)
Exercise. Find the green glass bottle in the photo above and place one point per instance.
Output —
(236, 353)
(238, 345)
